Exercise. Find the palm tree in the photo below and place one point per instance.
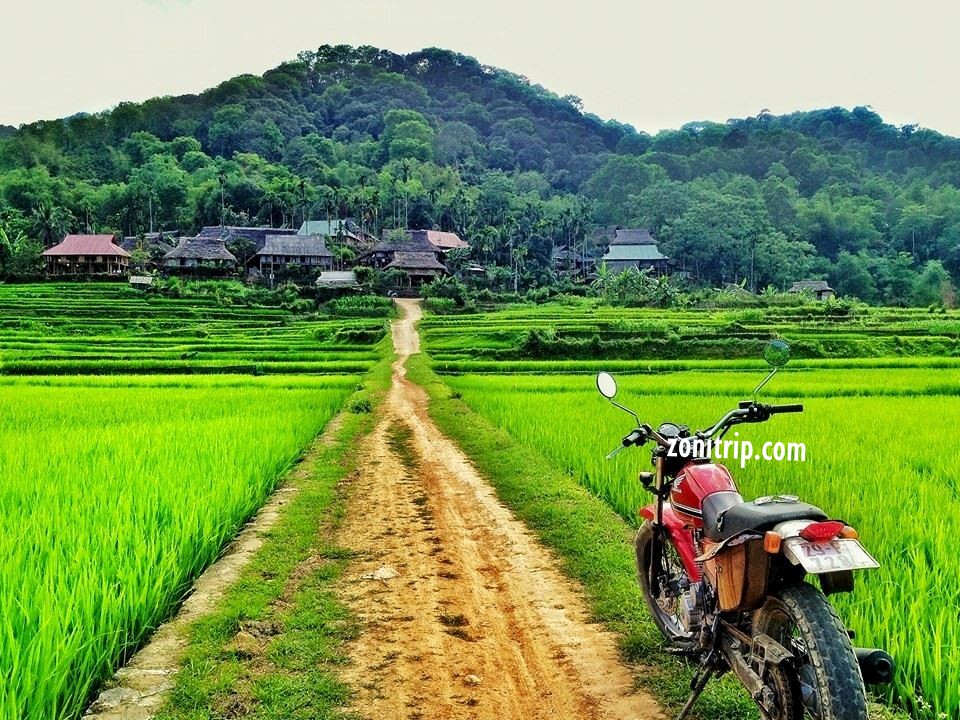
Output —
(50, 223)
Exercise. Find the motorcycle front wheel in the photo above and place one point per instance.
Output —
(663, 580)
(826, 676)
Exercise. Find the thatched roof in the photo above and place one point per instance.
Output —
(405, 243)
(403, 260)
(295, 246)
(154, 243)
(201, 248)
(232, 233)
(640, 236)
(811, 285)
(442, 240)
(72, 245)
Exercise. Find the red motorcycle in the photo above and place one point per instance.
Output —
(726, 580)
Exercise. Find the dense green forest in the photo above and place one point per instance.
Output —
(436, 139)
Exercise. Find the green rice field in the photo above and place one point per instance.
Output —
(104, 328)
(880, 449)
(117, 488)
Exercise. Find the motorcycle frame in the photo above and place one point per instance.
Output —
(666, 518)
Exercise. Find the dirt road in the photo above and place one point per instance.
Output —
(465, 614)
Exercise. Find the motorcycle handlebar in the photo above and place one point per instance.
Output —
(748, 412)
(774, 409)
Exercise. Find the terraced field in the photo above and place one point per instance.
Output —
(877, 429)
(105, 328)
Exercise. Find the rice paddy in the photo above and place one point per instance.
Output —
(878, 431)
(117, 489)
(104, 328)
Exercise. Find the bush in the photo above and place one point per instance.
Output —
(440, 305)
(361, 306)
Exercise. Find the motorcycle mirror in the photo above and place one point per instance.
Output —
(607, 385)
(776, 353)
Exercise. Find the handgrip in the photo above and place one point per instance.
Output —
(774, 409)
(633, 438)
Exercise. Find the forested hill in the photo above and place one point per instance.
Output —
(434, 138)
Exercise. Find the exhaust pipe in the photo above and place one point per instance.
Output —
(876, 666)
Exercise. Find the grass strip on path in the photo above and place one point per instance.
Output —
(272, 648)
(593, 543)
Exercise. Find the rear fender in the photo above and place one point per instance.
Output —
(680, 534)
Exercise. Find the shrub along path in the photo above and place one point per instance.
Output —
(464, 614)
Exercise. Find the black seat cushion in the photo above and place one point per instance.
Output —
(724, 523)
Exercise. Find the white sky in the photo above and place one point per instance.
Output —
(652, 64)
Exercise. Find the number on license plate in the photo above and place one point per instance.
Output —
(824, 557)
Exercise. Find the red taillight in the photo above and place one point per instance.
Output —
(822, 531)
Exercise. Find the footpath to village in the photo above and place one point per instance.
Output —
(463, 613)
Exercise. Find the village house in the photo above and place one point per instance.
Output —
(200, 254)
(419, 267)
(818, 288)
(444, 241)
(86, 255)
(634, 249)
(414, 254)
(571, 261)
(154, 245)
(304, 251)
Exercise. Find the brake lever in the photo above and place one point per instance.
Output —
(612, 455)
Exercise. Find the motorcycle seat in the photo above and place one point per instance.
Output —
(722, 520)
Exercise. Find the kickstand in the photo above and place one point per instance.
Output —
(697, 684)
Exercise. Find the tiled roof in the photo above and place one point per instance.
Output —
(87, 245)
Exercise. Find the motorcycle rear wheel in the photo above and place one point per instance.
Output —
(827, 681)
(659, 592)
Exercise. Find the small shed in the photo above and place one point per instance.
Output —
(337, 280)
(141, 282)
(86, 255)
(818, 288)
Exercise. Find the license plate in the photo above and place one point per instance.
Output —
(831, 556)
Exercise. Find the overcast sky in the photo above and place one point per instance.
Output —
(654, 65)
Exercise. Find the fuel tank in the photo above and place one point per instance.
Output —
(693, 484)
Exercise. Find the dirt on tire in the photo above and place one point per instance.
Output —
(464, 614)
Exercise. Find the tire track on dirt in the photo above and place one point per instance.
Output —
(478, 622)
